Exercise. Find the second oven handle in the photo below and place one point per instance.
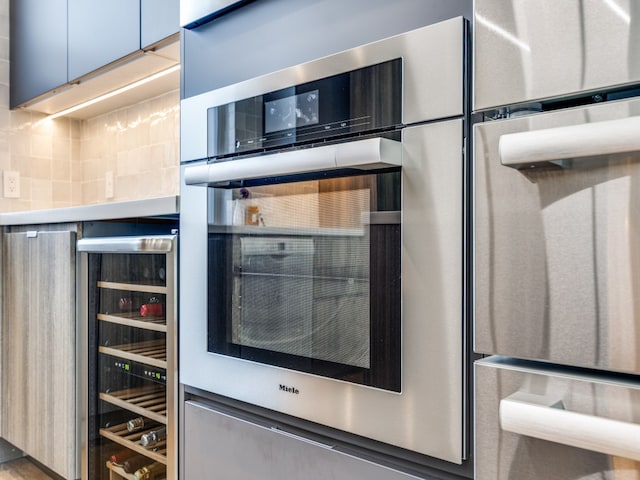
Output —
(532, 148)
(603, 435)
(372, 153)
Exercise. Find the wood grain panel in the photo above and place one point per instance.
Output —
(38, 407)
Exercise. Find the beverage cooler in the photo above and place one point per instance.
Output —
(128, 304)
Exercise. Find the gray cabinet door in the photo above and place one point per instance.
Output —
(38, 48)
(101, 32)
(38, 348)
(158, 19)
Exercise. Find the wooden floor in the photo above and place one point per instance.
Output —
(22, 469)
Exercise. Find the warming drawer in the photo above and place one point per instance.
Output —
(219, 445)
(556, 234)
(540, 422)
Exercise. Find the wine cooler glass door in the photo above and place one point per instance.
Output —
(127, 401)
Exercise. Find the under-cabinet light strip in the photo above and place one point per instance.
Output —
(113, 93)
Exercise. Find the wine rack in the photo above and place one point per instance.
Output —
(118, 473)
(121, 435)
(131, 312)
(147, 402)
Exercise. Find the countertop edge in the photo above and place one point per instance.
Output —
(148, 207)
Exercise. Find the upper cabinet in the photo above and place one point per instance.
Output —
(59, 44)
(100, 33)
(196, 12)
(38, 47)
(159, 19)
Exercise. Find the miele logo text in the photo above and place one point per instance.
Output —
(284, 388)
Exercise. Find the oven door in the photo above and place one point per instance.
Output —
(332, 285)
(557, 224)
(305, 268)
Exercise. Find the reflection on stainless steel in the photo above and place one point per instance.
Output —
(555, 264)
(596, 413)
(526, 51)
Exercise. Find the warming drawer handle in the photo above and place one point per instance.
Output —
(362, 154)
(529, 149)
(603, 435)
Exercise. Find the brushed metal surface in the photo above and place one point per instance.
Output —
(155, 244)
(433, 78)
(228, 447)
(360, 154)
(556, 261)
(526, 51)
(503, 455)
(427, 416)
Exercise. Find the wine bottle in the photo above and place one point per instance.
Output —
(151, 309)
(149, 472)
(153, 437)
(135, 463)
(118, 458)
(135, 424)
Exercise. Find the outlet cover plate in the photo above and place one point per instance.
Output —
(11, 184)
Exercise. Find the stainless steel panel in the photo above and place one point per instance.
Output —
(155, 244)
(556, 263)
(564, 395)
(221, 446)
(432, 62)
(367, 154)
(427, 416)
(526, 50)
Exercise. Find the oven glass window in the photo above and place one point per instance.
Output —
(306, 275)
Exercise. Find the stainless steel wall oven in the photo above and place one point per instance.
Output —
(323, 263)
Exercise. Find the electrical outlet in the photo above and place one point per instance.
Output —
(11, 184)
(108, 185)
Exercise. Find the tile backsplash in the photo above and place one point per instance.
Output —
(138, 145)
(65, 162)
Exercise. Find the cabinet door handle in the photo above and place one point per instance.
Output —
(603, 435)
(532, 148)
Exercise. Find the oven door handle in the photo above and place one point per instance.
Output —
(372, 153)
(553, 423)
(538, 147)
